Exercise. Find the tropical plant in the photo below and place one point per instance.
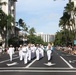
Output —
(32, 31)
(64, 21)
(20, 22)
(70, 9)
(2, 3)
(67, 22)
(35, 39)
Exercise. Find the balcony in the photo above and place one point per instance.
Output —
(12, 7)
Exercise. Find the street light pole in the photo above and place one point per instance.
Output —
(7, 35)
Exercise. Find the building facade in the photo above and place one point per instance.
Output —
(10, 9)
(46, 37)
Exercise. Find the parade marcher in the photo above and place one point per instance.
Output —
(3, 50)
(37, 52)
(25, 53)
(29, 51)
(49, 51)
(42, 50)
(52, 47)
(0, 50)
(33, 48)
(20, 52)
(11, 52)
(33, 51)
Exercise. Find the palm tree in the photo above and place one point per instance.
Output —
(64, 20)
(23, 25)
(32, 31)
(2, 3)
(5, 24)
(70, 9)
(25, 28)
(67, 21)
(20, 22)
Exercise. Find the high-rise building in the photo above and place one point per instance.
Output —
(46, 37)
(10, 8)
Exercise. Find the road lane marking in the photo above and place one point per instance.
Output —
(8, 60)
(49, 64)
(36, 68)
(72, 61)
(39, 71)
(12, 64)
(30, 64)
(66, 62)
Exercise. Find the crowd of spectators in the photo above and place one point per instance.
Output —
(69, 49)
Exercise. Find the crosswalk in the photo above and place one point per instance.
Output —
(37, 69)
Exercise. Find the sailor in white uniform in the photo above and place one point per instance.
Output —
(25, 54)
(20, 52)
(33, 51)
(33, 48)
(37, 52)
(29, 51)
(0, 50)
(42, 50)
(49, 52)
(11, 52)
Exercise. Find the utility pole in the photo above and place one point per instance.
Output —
(7, 34)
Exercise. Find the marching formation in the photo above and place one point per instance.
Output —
(30, 51)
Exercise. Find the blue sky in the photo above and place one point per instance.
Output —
(43, 15)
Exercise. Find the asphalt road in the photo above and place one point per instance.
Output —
(61, 63)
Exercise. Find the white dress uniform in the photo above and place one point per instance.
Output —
(33, 48)
(29, 53)
(37, 53)
(33, 51)
(0, 50)
(25, 54)
(42, 51)
(11, 52)
(49, 53)
(20, 53)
